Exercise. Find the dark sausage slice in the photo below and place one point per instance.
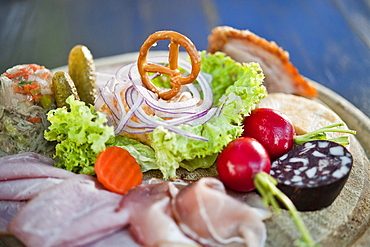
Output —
(313, 174)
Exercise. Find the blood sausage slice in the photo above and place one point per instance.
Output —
(313, 174)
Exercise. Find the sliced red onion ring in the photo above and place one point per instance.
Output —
(126, 117)
(197, 109)
(150, 121)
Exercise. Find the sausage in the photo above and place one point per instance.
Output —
(313, 174)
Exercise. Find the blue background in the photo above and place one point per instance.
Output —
(328, 41)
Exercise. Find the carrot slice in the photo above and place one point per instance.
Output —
(34, 120)
(118, 170)
(37, 96)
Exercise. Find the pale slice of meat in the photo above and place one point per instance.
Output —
(151, 220)
(254, 200)
(244, 46)
(30, 165)
(306, 114)
(7, 211)
(22, 177)
(25, 189)
(207, 214)
(76, 212)
(120, 238)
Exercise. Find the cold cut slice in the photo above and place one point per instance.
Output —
(207, 214)
(306, 115)
(76, 212)
(117, 239)
(7, 211)
(25, 189)
(151, 219)
(30, 165)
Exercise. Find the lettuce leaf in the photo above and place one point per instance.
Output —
(81, 134)
(143, 154)
(238, 89)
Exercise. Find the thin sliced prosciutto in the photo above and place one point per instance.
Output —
(78, 211)
(207, 214)
(119, 238)
(151, 219)
(199, 214)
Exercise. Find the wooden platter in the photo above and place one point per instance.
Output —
(345, 222)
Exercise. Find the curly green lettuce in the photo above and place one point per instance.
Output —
(143, 154)
(81, 134)
(238, 89)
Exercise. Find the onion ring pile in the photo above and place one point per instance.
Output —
(133, 104)
(134, 109)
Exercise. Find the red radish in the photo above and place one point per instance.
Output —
(244, 165)
(275, 132)
(240, 161)
(272, 129)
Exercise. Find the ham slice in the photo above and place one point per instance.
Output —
(151, 220)
(80, 212)
(117, 239)
(25, 189)
(76, 212)
(244, 46)
(207, 214)
(7, 211)
(30, 165)
(172, 214)
(22, 177)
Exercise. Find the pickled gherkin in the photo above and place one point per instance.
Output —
(81, 68)
(63, 87)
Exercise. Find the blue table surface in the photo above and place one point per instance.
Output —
(328, 41)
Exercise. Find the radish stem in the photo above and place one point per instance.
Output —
(319, 134)
(266, 186)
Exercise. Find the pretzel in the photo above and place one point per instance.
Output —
(176, 79)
